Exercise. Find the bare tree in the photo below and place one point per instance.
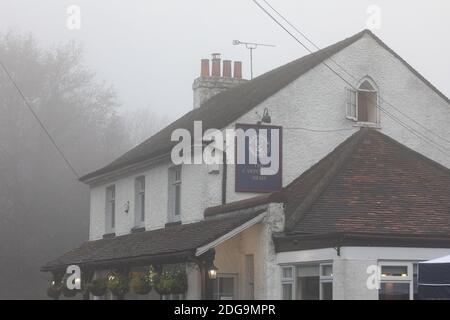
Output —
(43, 208)
(143, 123)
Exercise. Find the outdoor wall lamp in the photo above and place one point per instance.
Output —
(212, 272)
(126, 207)
(265, 117)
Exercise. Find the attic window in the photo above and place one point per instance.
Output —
(362, 103)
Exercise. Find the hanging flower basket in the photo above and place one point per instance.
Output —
(118, 284)
(54, 290)
(97, 287)
(140, 283)
(172, 280)
(68, 293)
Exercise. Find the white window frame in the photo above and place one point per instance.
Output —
(288, 281)
(325, 279)
(110, 205)
(398, 279)
(351, 101)
(174, 296)
(139, 210)
(233, 276)
(175, 182)
(293, 280)
(352, 94)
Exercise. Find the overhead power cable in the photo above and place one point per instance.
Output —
(348, 73)
(396, 119)
(36, 117)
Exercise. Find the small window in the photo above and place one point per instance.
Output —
(224, 287)
(175, 194)
(362, 104)
(396, 281)
(307, 282)
(110, 212)
(287, 282)
(139, 201)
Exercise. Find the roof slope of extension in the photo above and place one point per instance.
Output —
(376, 185)
(229, 105)
(370, 190)
(172, 244)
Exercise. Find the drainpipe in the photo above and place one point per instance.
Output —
(224, 178)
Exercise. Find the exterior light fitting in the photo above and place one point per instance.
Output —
(266, 117)
(212, 272)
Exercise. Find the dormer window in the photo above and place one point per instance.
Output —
(362, 104)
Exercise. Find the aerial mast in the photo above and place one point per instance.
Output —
(251, 46)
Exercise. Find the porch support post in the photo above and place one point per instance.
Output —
(205, 261)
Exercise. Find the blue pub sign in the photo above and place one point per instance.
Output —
(258, 158)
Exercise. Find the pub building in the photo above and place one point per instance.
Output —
(358, 200)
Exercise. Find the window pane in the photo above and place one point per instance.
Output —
(308, 288)
(394, 271)
(110, 209)
(287, 291)
(223, 288)
(308, 270)
(113, 214)
(327, 291)
(308, 282)
(415, 281)
(327, 270)
(142, 204)
(287, 273)
(177, 199)
(177, 175)
(394, 291)
(226, 286)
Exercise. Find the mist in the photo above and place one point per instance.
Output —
(126, 73)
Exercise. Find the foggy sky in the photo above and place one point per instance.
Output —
(150, 51)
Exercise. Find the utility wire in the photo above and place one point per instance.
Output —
(348, 83)
(318, 130)
(343, 69)
(41, 124)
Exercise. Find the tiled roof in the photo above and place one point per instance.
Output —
(227, 106)
(376, 185)
(162, 245)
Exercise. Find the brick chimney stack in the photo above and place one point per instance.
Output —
(220, 79)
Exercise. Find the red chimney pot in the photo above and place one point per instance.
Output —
(215, 72)
(205, 68)
(226, 68)
(238, 69)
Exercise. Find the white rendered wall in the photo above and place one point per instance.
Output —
(316, 100)
(350, 268)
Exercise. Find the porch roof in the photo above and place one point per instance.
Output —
(173, 244)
